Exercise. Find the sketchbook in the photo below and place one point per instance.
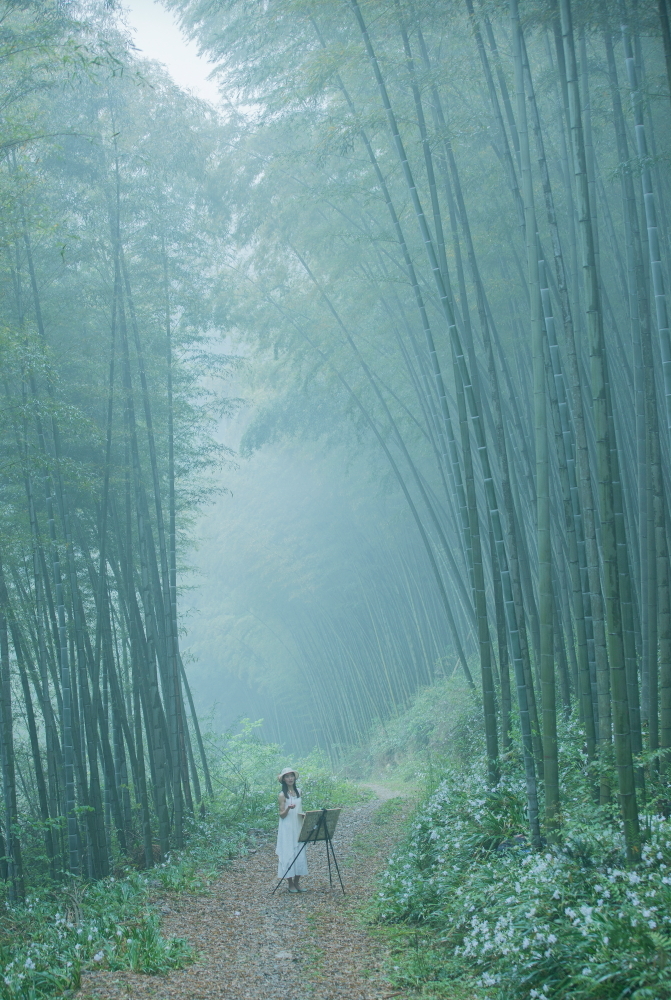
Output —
(312, 829)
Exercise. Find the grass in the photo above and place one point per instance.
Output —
(48, 941)
(389, 818)
(466, 909)
(417, 964)
(414, 959)
(66, 928)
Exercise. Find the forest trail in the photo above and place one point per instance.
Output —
(383, 792)
(252, 945)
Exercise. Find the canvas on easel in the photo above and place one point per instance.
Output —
(319, 824)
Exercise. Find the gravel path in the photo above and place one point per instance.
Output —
(255, 946)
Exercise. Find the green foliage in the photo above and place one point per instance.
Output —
(442, 723)
(46, 943)
(571, 921)
(244, 808)
(93, 185)
(321, 788)
(243, 772)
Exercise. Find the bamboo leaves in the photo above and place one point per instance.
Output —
(87, 596)
(557, 536)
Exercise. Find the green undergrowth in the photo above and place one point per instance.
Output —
(409, 752)
(468, 910)
(69, 927)
(48, 941)
(387, 824)
(323, 788)
(243, 811)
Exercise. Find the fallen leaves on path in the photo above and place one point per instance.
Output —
(252, 945)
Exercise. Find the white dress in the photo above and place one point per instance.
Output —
(287, 843)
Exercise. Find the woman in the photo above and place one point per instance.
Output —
(287, 848)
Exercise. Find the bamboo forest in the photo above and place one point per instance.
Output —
(335, 436)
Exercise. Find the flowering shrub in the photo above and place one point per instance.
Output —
(45, 944)
(571, 921)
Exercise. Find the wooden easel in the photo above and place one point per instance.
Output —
(318, 824)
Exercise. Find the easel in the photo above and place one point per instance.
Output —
(317, 825)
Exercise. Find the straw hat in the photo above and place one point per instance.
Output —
(287, 770)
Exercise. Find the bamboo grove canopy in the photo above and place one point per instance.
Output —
(453, 219)
(439, 233)
(104, 442)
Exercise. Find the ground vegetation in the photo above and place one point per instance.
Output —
(467, 908)
(435, 237)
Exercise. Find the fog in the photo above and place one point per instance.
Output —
(289, 574)
(156, 35)
(344, 372)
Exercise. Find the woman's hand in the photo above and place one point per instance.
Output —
(285, 805)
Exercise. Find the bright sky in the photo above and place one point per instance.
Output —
(158, 37)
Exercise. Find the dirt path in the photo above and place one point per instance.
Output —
(383, 792)
(254, 946)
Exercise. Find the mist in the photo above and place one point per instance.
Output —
(329, 382)
(291, 585)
